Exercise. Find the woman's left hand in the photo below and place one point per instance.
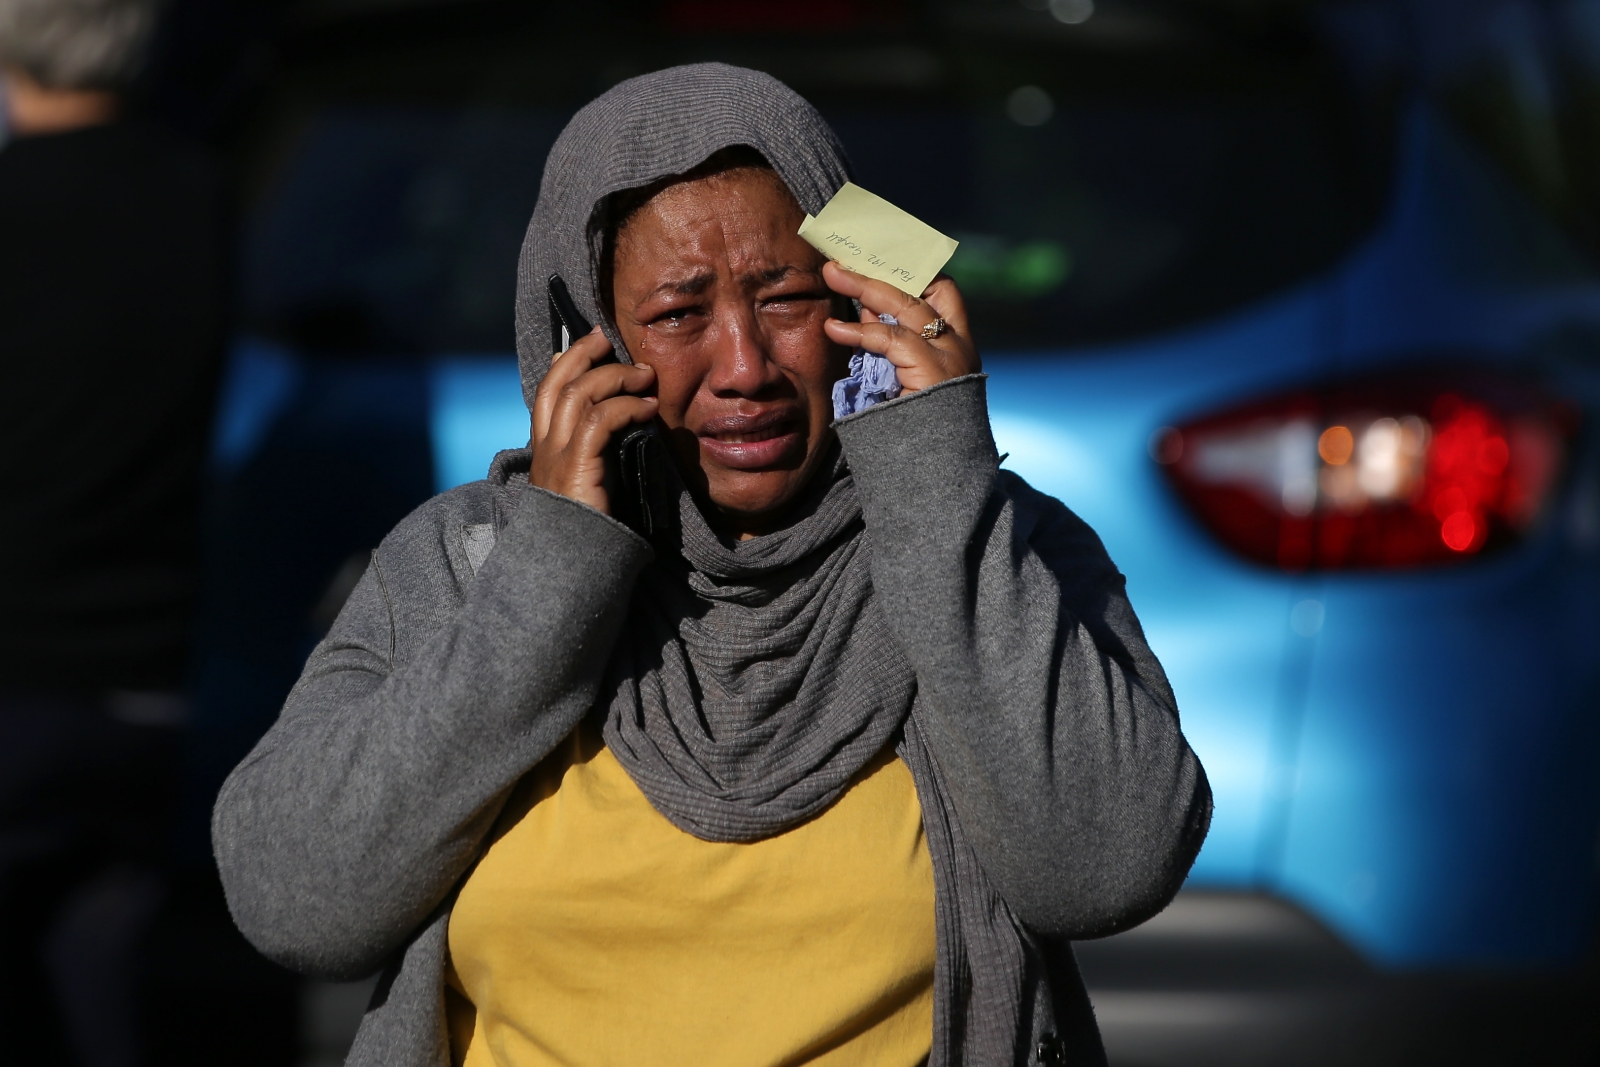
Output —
(919, 361)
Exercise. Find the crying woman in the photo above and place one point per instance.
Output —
(824, 756)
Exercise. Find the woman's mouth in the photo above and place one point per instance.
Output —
(750, 443)
(748, 438)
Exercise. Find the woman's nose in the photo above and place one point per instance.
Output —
(740, 363)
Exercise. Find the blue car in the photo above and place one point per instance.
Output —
(1296, 304)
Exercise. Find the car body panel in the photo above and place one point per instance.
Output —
(1418, 769)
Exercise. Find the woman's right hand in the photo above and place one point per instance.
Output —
(577, 409)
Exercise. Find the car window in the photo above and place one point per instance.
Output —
(1105, 178)
(1521, 79)
(396, 228)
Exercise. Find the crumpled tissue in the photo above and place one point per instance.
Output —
(872, 380)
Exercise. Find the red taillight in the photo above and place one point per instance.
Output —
(1396, 473)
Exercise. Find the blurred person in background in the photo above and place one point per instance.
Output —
(111, 323)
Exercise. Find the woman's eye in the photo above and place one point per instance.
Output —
(673, 316)
(791, 300)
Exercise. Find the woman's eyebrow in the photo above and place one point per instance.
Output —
(696, 284)
(774, 275)
(691, 286)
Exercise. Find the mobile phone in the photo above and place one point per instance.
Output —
(628, 455)
(567, 323)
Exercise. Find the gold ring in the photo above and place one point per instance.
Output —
(934, 329)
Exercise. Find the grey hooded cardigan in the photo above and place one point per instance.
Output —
(483, 630)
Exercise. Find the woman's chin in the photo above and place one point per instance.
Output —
(753, 502)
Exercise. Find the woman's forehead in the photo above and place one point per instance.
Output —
(741, 189)
(747, 220)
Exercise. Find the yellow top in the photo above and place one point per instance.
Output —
(595, 932)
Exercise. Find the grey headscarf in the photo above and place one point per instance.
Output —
(642, 130)
(754, 680)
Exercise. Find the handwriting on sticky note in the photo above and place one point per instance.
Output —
(871, 236)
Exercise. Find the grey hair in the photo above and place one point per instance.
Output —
(77, 44)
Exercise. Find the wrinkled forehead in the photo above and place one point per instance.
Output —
(739, 225)
(726, 178)
(743, 200)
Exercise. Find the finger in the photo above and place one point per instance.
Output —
(842, 281)
(603, 420)
(944, 297)
(913, 318)
(880, 298)
(841, 332)
(898, 345)
(565, 367)
(592, 387)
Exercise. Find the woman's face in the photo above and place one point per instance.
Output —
(713, 288)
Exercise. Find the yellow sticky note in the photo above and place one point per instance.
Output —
(871, 236)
